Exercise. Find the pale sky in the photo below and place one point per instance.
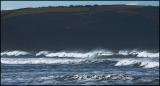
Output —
(7, 5)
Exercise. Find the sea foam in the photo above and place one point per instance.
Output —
(78, 54)
(14, 53)
(142, 63)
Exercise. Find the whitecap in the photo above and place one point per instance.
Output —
(14, 53)
(77, 54)
(141, 63)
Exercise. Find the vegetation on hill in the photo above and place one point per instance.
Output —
(106, 26)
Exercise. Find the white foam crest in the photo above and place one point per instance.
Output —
(103, 52)
(40, 61)
(123, 52)
(70, 54)
(147, 54)
(144, 53)
(125, 62)
(138, 53)
(150, 64)
(75, 54)
(14, 53)
(78, 54)
(143, 63)
(42, 53)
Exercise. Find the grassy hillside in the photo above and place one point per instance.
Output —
(110, 26)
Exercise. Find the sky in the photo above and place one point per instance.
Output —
(8, 5)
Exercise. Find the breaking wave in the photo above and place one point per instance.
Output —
(75, 54)
(119, 58)
(78, 54)
(39, 61)
(142, 63)
(14, 53)
(120, 62)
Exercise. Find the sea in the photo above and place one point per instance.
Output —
(78, 67)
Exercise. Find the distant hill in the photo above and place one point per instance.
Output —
(86, 27)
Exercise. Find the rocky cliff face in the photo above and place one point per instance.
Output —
(54, 28)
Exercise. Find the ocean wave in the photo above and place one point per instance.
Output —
(49, 61)
(39, 61)
(75, 54)
(138, 53)
(15, 53)
(78, 54)
(147, 54)
(149, 63)
(142, 63)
